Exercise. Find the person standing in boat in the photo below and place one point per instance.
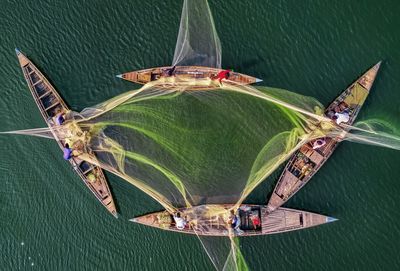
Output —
(180, 223)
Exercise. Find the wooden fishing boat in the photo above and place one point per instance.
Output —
(212, 220)
(308, 160)
(186, 74)
(50, 104)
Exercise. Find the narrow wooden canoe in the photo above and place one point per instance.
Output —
(211, 220)
(184, 74)
(296, 173)
(50, 104)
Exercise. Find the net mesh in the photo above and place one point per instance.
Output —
(198, 43)
(196, 147)
(187, 148)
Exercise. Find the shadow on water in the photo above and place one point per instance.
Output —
(252, 62)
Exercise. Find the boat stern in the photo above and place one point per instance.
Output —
(157, 219)
(135, 77)
(330, 219)
(285, 219)
(367, 80)
(313, 219)
(374, 70)
(23, 60)
(378, 65)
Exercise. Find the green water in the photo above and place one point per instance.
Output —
(316, 48)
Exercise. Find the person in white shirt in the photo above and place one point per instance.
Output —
(180, 223)
(320, 142)
(341, 117)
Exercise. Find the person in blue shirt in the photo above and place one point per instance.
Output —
(60, 118)
(233, 219)
(67, 152)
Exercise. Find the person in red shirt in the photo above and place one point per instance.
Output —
(222, 75)
(255, 219)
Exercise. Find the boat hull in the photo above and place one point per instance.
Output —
(211, 220)
(184, 76)
(294, 177)
(50, 104)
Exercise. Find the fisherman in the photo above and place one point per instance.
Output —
(222, 75)
(170, 72)
(305, 170)
(341, 117)
(180, 223)
(319, 143)
(232, 219)
(255, 220)
(60, 118)
(234, 222)
(67, 152)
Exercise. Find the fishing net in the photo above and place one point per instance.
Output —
(194, 147)
(198, 43)
(187, 148)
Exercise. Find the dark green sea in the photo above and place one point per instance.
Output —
(50, 221)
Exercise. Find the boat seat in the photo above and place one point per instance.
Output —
(88, 170)
(85, 166)
(313, 155)
(52, 111)
(286, 185)
(34, 78)
(144, 77)
(41, 89)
